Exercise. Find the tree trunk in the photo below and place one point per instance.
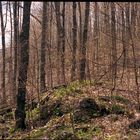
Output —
(20, 114)
(63, 46)
(59, 27)
(3, 53)
(96, 37)
(84, 43)
(74, 29)
(114, 50)
(16, 36)
(43, 49)
(80, 37)
(12, 94)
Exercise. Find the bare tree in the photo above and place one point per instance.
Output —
(20, 114)
(43, 49)
(84, 43)
(113, 42)
(74, 29)
(3, 53)
(16, 37)
(63, 46)
(96, 36)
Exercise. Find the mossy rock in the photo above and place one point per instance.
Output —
(104, 110)
(88, 103)
(118, 98)
(104, 98)
(52, 109)
(81, 115)
(117, 109)
(86, 109)
(121, 99)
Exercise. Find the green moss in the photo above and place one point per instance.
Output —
(117, 109)
(88, 133)
(9, 115)
(57, 112)
(11, 130)
(118, 98)
(34, 112)
(121, 99)
(72, 89)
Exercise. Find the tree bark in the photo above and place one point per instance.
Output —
(16, 36)
(3, 53)
(96, 37)
(113, 42)
(63, 46)
(20, 114)
(43, 49)
(59, 42)
(84, 43)
(74, 29)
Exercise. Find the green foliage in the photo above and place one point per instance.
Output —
(11, 130)
(1, 118)
(71, 88)
(37, 133)
(117, 136)
(9, 115)
(57, 112)
(60, 92)
(112, 137)
(35, 114)
(88, 133)
(118, 98)
(86, 82)
(121, 99)
(117, 109)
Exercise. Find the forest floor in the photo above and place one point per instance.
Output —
(80, 111)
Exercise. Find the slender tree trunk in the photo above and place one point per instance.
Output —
(49, 47)
(3, 53)
(43, 49)
(84, 43)
(96, 37)
(16, 37)
(74, 29)
(123, 43)
(127, 20)
(20, 114)
(12, 94)
(63, 46)
(113, 42)
(59, 42)
(80, 36)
